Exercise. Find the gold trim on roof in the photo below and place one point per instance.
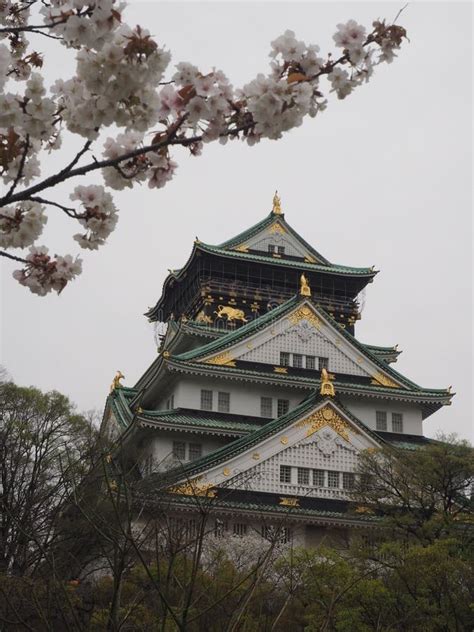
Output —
(327, 416)
(309, 259)
(305, 290)
(304, 313)
(194, 488)
(276, 228)
(382, 380)
(241, 248)
(116, 381)
(327, 387)
(285, 501)
(280, 369)
(222, 359)
(276, 208)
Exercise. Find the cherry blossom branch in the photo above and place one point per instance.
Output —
(3, 253)
(69, 211)
(19, 175)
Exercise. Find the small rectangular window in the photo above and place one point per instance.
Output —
(310, 362)
(381, 420)
(285, 535)
(297, 361)
(240, 529)
(266, 407)
(281, 250)
(323, 363)
(285, 474)
(195, 451)
(179, 450)
(284, 358)
(303, 476)
(348, 480)
(220, 528)
(223, 402)
(318, 478)
(206, 400)
(271, 248)
(333, 479)
(397, 422)
(283, 407)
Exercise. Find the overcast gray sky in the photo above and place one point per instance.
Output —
(382, 178)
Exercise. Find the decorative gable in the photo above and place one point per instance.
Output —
(273, 238)
(324, 439)
(303, 332)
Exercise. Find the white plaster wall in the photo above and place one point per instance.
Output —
(244, 398)
(265, 476)
(311, 342)
(365, 411)
(160, 446)
(292, 247)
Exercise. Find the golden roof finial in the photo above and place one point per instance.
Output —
(305, 290)
(276, 210)
(327, 387)
(116, 381)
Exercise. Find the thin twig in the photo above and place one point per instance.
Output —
(9, 256)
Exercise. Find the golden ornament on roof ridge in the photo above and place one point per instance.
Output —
(276, 209)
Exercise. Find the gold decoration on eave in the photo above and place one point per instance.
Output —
(305, 290)
(241, 248)
(280, 369)
(202, 317)
(309, 259)
(277, 228)
(327, 387)
(276, 209)
(382, 380)
(304, 313)
(289, 502)
(116, 381)
(231, 313)
(327, 416)
(194, 488)
(222, 359)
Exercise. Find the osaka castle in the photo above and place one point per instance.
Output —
(261, 396)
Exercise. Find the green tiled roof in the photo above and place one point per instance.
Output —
(267, 221)
(236, 447)
(289, 263)
(307, 382)
(276, 509)
(243, 332)
(180, 418)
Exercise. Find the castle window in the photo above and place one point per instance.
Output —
(271, 248)
(240, 528)
(381, 420)
(283, 407)
(285, 534)
(285, 474)
(220, 528)
(333, 479)
(318, 478)
(281, 250)
(310, 362)
(206, 400)
(297, 361)
(284, 358)
(303, 476)
(194, 451)
(348, 480)
(323, 363)
(397, 422)
(223, 402)
(179, 450)
(266, 407)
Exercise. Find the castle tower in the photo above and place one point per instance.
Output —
(261, 392)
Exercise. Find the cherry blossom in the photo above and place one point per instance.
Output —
(124, 95)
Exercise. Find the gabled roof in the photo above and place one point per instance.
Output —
(224, 343)
(265, 223)
(312, 402)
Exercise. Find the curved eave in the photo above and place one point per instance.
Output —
(225, 342)
(232, 373)
(331, 269)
